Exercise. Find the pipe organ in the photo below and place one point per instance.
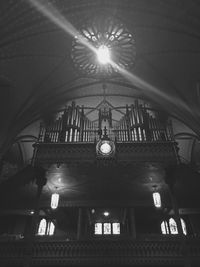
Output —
(71, 126)
(142, 124)
(139, 124)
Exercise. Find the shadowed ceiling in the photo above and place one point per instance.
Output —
(38, 76)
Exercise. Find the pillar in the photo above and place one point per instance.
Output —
(80, 222)
(40, 181)
(132, 222)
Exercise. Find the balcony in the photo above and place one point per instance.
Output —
(146, 251)
(139, 136)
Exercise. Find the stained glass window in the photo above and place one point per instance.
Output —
(54, 200)
(46, 227)
(50, 228)
(183, 224)
(103, 32)
(42, 227)
(116, 228)
(164, 228)
(98, 229)
(107, 228)
(173, 226)
(157, 199)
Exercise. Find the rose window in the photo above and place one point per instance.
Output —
(112, 43)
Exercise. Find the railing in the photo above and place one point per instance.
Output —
(139, 124)
(121, 252)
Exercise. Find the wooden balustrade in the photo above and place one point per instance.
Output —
(121, 252)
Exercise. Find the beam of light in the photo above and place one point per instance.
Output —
(151, 90)
(103, 54)
(53, 14)
(49, 11)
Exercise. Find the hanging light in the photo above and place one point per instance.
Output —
(157, 200)
(106, 213)
(54, 200)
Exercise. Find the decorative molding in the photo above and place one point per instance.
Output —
(126, 152)
(93, 252)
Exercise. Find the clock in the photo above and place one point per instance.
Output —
(105, 148)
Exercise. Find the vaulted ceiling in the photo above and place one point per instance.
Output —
(38, 74)
(43, 66)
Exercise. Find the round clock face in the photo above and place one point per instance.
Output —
(105, 148)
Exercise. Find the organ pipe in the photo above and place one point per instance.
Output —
(139, 124)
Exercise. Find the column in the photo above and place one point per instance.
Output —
(132, 222)
(40, 181)
(80, 222)
(1, 163)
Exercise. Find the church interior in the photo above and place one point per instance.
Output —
(99, 136)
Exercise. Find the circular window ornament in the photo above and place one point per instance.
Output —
(105, 148)
(112, 42)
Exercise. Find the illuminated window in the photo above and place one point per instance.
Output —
(157, 199)
(46, 228)
(54, 200)
(116, 228)
(173, 227)
(110, 39)
(107, 228)
(50, 228)
(164, 228)
(98, 229)
(183, 224)
(42, 227)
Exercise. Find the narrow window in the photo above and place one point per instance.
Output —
(42, 227)
(54, 200)
(173, 226)
(157, 199)
(98, 229)
(116, 228)
(183, 224)
(107, 228)
(50, 228)
(164, 228)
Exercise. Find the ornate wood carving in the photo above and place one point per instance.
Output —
(93, 252)
(48, 153)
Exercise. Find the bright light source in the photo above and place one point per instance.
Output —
(103, 54)
(157, 199)
(106, 213)
(105, 148)
(54, 200)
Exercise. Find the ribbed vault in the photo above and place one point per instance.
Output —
(39, 77)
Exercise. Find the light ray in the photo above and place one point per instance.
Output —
(148, 88)
(49, 11)
(53, 14)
